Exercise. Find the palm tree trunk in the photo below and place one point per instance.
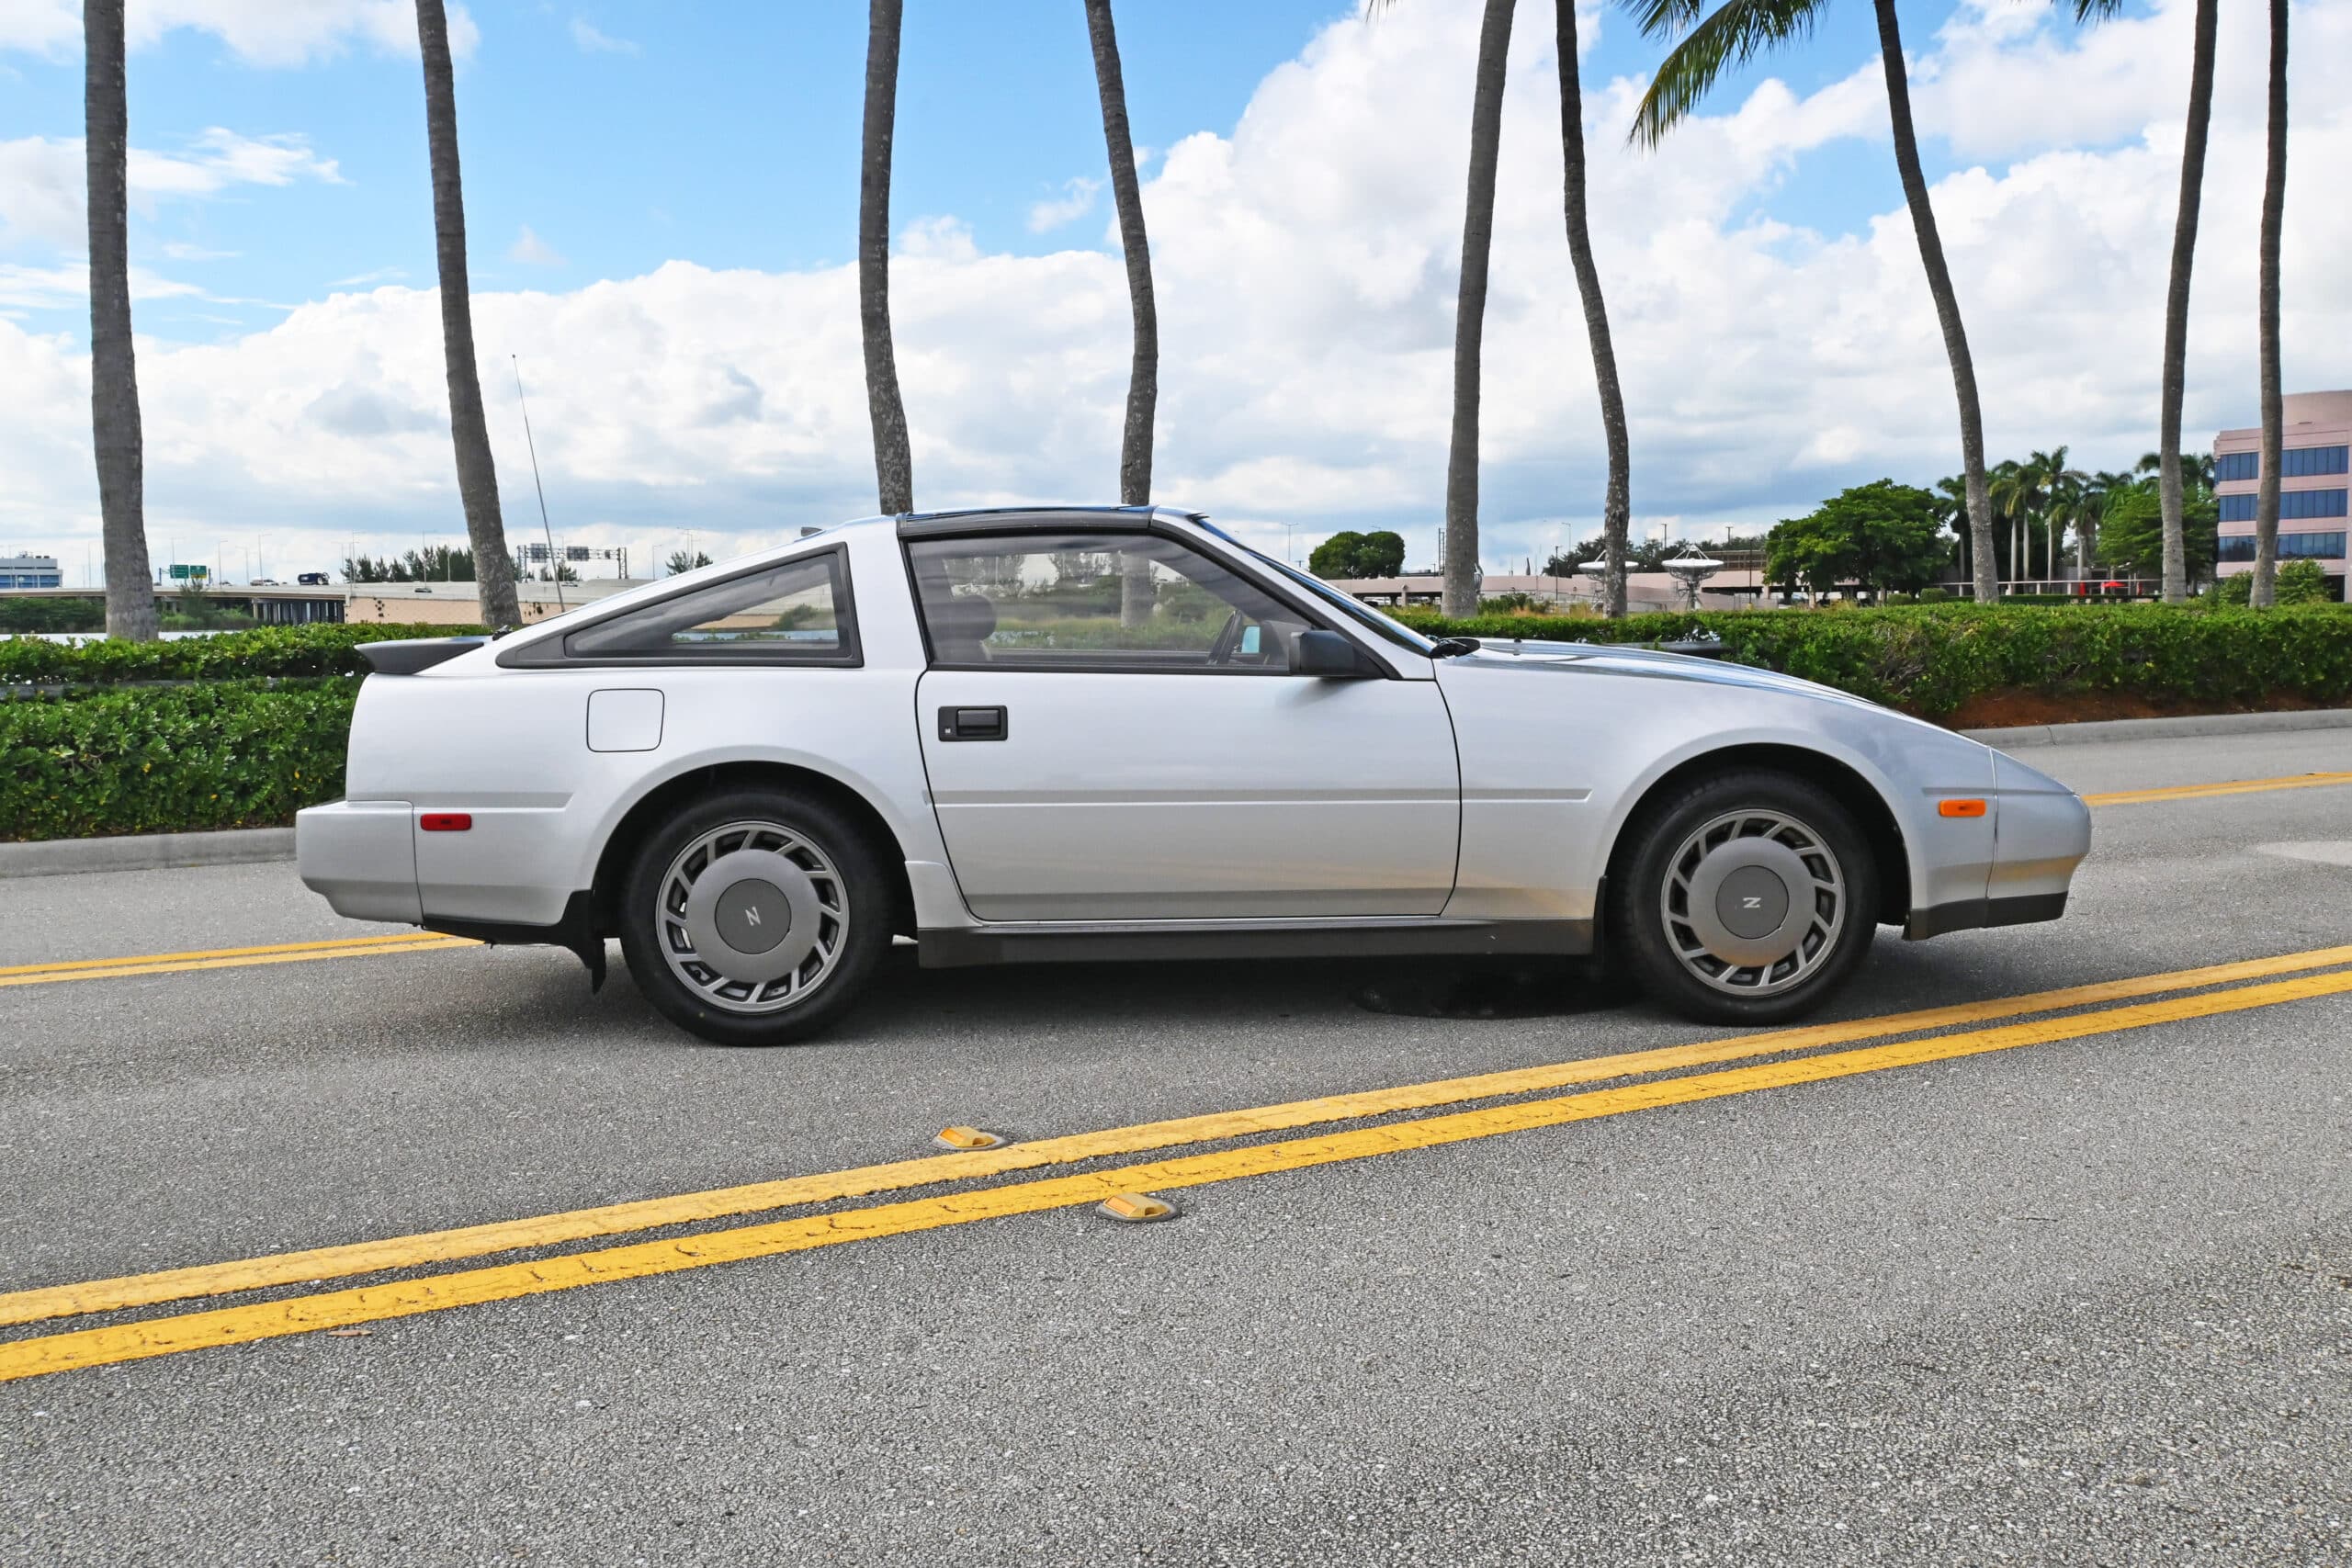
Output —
(1470, 312)
(1143, 370)
(115, 435)
(477, 474)
(894, 465)
(1931, 254)
(1617, 506)
(2264, 588)
(2184, 256)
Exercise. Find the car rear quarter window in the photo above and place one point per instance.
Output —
(795, 612)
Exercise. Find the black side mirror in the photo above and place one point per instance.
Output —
(1319, 652)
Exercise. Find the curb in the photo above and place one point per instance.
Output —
(2162, 728)
(146, 852)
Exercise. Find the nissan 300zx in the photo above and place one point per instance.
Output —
(1114, 733)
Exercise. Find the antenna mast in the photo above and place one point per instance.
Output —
(555, 565)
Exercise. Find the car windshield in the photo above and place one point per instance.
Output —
(1355, 609)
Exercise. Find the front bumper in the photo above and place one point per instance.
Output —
(1972, 914)
(361, 855)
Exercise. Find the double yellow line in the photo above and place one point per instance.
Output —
(2200, 792)
(2314, 974)
(227, 958)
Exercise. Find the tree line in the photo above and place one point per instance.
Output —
(1707, 38)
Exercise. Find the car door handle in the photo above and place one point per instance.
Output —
(973, 724)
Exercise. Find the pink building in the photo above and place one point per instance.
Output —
(2314, 479)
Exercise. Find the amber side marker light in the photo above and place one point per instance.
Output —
(1960, 808)
(966, 1139)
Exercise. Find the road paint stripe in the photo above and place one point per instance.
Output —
(376, 1303)
(429, 942)
(2195, 792)
(328, 944)
(582, 1225)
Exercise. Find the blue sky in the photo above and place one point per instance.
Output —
(661, 201)
(625, 135)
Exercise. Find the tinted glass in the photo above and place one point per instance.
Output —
(2237, 508)
(2238, 466)
(1117, 601)
(2297, 461)
(2291, 547)
(2310, 502)
(792, 611)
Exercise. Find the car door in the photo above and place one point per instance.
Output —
(1113, 731)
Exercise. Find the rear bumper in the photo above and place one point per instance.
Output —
(1972, 914)
(361, 856)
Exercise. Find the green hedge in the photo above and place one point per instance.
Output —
(1931, 659)
(172, 758)
(323, 648)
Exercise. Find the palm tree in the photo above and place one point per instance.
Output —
(1143, 371)
(115, 435)
(1470, 312)
(477, 475)
(1617, 506)
(2263, 590)
(2184, 256)
(2104, 488)
(894, 465)
(1732, 34)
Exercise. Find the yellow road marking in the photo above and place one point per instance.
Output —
(2194, 791)
(374, 1303)
(332, 943)
(123, 968)
(613, 1219)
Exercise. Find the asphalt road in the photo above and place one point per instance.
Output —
(2081, 1302)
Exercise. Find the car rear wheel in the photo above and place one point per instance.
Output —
(1748, 898)
(755, 917)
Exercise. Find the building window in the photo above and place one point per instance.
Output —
(2297, 461)
(2237, 508)
(2238, 466)
(2311, 504)
(2291, 547)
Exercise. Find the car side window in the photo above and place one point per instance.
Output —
(1107, 602)
(798, 612)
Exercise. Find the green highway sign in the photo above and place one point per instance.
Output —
(182, 573)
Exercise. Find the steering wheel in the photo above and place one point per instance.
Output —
(1228, 638)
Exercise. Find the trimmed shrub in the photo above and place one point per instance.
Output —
(1929, 660)
(323, 648)
(171, 759)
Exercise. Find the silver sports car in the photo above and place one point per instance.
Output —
(1092, 733)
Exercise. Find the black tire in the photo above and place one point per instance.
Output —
(1668, 954)
(826, 839)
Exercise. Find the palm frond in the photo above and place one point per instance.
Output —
(1736, 32)
(2089, 11)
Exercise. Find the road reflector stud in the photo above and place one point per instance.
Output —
(1136, 1208)
(1960, 808)
(966, 1139)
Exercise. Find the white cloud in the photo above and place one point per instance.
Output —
(593, 39)
(1075, 202)
(532, 251)
(259, 33)
(180, 249)
(42, 178)
(1306, 270)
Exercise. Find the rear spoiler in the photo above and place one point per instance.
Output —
(410, 655)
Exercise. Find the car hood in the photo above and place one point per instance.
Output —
(1642, 663)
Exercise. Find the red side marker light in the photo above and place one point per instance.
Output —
(447, 821)
(1960, 808)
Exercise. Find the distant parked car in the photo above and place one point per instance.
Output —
(310, 579)
(264, 582)
(950, 726)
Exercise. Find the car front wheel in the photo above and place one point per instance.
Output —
(1748, 898)
(753, 918)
